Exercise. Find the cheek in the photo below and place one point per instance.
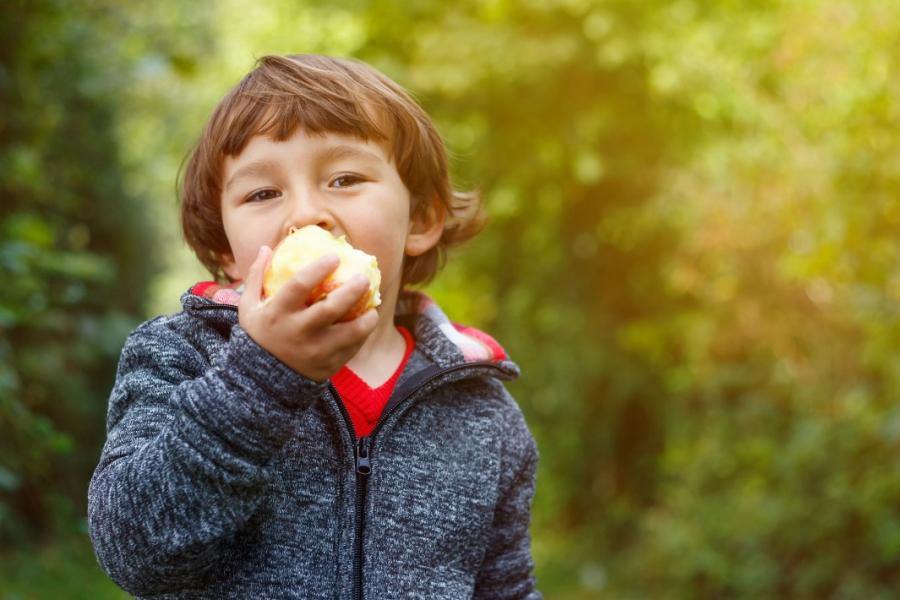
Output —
(242, 252)
(244, 260)
(391, 263)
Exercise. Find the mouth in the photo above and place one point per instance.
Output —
(305, 245)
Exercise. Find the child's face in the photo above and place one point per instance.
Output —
(341, 183)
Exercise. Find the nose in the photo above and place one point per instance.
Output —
(306, 208)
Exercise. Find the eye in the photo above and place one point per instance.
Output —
(262, 195)
(346, 180)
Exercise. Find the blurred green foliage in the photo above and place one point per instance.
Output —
(692, 254)
(73, 259)
(63, 570)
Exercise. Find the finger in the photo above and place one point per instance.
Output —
(338, 302)
(294, 293)
(253, 282)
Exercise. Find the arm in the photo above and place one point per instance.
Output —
(188, 446)
(185, 461)
(506, 571)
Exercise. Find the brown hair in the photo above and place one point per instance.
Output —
(324, 94)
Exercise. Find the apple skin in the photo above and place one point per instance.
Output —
(303, 246)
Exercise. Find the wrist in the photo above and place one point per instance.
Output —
(254, 364)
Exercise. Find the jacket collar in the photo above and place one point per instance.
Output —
(447, 344)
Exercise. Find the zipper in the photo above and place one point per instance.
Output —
(215, 305)
(363, 453)
(420, 380)
(363, 464)
(363, 468)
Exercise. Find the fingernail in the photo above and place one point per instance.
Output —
(329, 258)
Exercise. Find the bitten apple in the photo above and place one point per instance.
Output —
(307, 244)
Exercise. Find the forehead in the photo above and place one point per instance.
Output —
(305, 144)
(264, 153)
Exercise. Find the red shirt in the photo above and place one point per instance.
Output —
(362, 402)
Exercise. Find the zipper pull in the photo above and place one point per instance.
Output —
(363, 464)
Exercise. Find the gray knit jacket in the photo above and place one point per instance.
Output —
(226, 474)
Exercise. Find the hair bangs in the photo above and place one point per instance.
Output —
(260, 108)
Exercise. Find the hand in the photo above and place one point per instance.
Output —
(306, 338)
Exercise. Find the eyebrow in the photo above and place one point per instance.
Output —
(330, 154)
(333, 153)
(254, 169)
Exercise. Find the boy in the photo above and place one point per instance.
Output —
(267, 449)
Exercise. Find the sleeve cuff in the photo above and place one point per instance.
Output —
(246, 362)
(249, 405)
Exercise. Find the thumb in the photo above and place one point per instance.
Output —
(253, 282)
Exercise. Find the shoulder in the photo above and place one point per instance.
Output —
(517, 435)
(488, 401)
(163, 332)
(179, 341)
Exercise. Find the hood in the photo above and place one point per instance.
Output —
(446, 343)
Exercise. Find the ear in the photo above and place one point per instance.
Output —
(425, 228)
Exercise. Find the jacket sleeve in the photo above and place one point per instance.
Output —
(507, 569)
(186, 458)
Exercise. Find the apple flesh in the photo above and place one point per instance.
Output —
(302, 247)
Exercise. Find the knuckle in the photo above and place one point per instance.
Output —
(297, 286)
(331, 310)
(362, 326)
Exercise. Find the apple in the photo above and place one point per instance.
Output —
(307, 244)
